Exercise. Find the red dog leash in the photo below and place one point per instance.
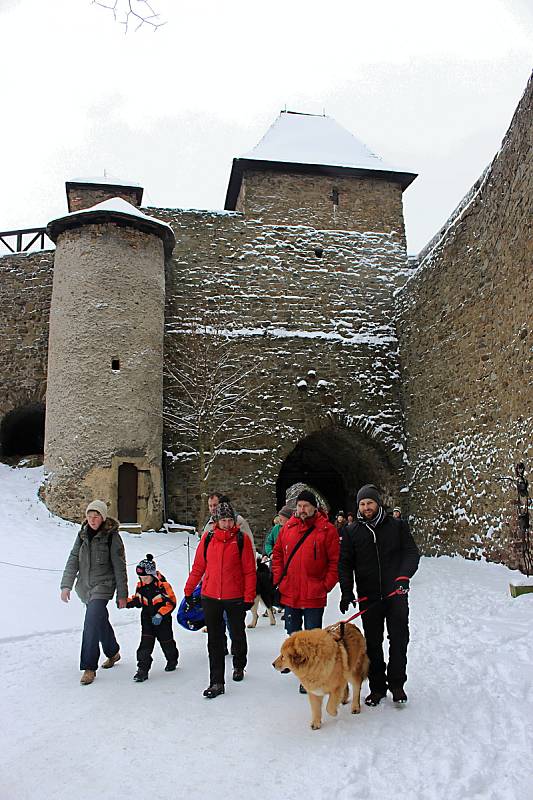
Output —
(362, 599)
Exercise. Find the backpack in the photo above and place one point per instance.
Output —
(240, 541)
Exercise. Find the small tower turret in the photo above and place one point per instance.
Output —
(103, 435)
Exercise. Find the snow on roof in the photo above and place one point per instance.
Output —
(310, 139)
(311, 144)
(118, 206)
(107, 180)
(118, 209)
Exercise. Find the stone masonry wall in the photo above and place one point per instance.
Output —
(290, 199)
(26, 290)
(321, 321)
(466, 333)
(107, 307)
(81, 197)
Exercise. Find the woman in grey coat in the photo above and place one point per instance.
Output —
(97, 562)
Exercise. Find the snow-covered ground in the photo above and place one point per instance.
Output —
(466, 733)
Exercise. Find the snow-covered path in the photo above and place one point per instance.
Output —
(465, 733)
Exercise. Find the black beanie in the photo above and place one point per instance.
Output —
(309, 497)
(368, 492)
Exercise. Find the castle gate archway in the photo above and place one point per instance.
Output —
(337, 463)
(22, 431)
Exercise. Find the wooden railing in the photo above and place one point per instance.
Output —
(22, 241)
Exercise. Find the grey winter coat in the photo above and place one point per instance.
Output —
(97, 566)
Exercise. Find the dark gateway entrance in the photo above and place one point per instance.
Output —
(127, 492)
(337, 462)
(22, 431)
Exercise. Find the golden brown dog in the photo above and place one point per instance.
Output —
(326, 661)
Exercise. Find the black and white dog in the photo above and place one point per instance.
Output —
(264, 592)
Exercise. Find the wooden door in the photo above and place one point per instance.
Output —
(127, 493)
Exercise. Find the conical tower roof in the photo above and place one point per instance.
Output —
(310, 143)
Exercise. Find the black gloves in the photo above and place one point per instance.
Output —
(189, 601)
(402, 585)
(346, 601)
(247, 606)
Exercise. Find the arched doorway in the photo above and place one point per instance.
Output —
(337, 462)
(22, 431)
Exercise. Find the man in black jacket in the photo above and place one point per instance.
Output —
(383, 556)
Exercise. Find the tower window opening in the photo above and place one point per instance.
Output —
(319, 252)
(335, 197)
(115, 364)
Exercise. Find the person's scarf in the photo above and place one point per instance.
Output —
(374, 522)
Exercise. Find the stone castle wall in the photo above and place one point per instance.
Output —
(305, 305)
(466, 333)
(364, 204)
(26, 290)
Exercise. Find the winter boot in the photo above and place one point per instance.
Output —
(140, 676)
(398, 695)
(374, 698)
(88, 677)
(111, 661)
(238, 674)
(171, 666)
(214, 690)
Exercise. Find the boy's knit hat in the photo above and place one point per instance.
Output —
(146, 566)
(99, 506)
(224, 511)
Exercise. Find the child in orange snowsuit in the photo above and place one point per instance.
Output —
(155, 596)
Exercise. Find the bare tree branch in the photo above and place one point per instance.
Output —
(206, 393)
(132, 12)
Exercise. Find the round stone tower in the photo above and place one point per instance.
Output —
(104, 400)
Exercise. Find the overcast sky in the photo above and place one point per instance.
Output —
(429, 86)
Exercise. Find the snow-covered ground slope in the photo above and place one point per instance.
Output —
(466, 732)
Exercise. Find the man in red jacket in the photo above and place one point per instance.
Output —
(312, 571)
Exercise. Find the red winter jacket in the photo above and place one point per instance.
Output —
(312, 572)
(227, 574)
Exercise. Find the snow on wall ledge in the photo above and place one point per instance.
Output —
(466, 355)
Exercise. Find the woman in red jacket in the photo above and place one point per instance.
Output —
(225, 563)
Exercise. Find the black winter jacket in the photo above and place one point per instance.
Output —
(376, 557)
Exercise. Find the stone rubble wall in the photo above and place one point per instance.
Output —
(465, 324)
(294, 312)
(26, 291)
(81, 197)
(365, 204)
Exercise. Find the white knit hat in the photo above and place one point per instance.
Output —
(97, 505)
